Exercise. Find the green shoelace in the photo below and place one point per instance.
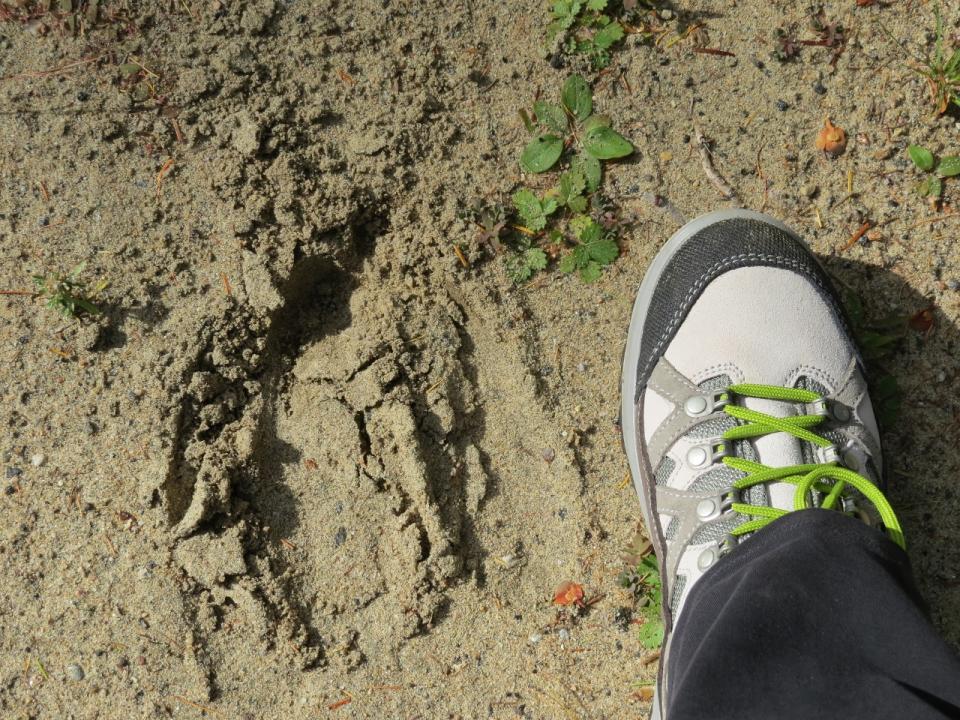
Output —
(829, 479)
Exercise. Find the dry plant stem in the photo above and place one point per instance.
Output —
(706, 162)
(861, 231)
(52, 71)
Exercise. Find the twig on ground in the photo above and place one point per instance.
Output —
(861, 231)
(52, 71)
(706, 162)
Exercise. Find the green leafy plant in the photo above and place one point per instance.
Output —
(942, 72)
(644, 582)
(587, 29)
(595, 249)
(936, 170)
(492, 221)
(67, 293)
(571, 220)
(525, 262)
(878, 340)
(573, 124)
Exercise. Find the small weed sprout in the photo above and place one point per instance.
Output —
(67, 293)
(549, 224)
(941, 72)
(573, 123)
(935, 170)
(587, 28)
(878, 340)
(643, 582)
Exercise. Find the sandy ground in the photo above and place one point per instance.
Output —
(306, 463)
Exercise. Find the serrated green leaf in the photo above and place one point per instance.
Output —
(949, 166)
(921, 157)
(604, 251)
(652, 579)
(590, 272)
(589, 166)
(576, 97)
(536, 259)
(518, 269)
(551, 115)
(596, 5)
(606, 144)
(549, 206)
(568, 263)
(129, 69)
(579, 223)
(526, 203)
(651, 634)
(561, 9)
(608, 35)
(578, 203)
(590, 233)
(541, 153)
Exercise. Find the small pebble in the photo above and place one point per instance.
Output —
(38, 459)
(535, 638)
(548, 454)
(89, 427)
(83, 96)
(819, 88)
(43, 221)
(953, 285)
(340, 537)
(509, 561)
(75, 672)
(581, 367)
(564, 634)
(13, 472)
(782, 105)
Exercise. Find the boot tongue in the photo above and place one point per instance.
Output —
(777, 449)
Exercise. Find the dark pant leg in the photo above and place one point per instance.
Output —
(815, 616)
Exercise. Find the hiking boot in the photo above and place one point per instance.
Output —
(743, 398)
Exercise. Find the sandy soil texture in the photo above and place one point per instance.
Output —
(309, 462)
